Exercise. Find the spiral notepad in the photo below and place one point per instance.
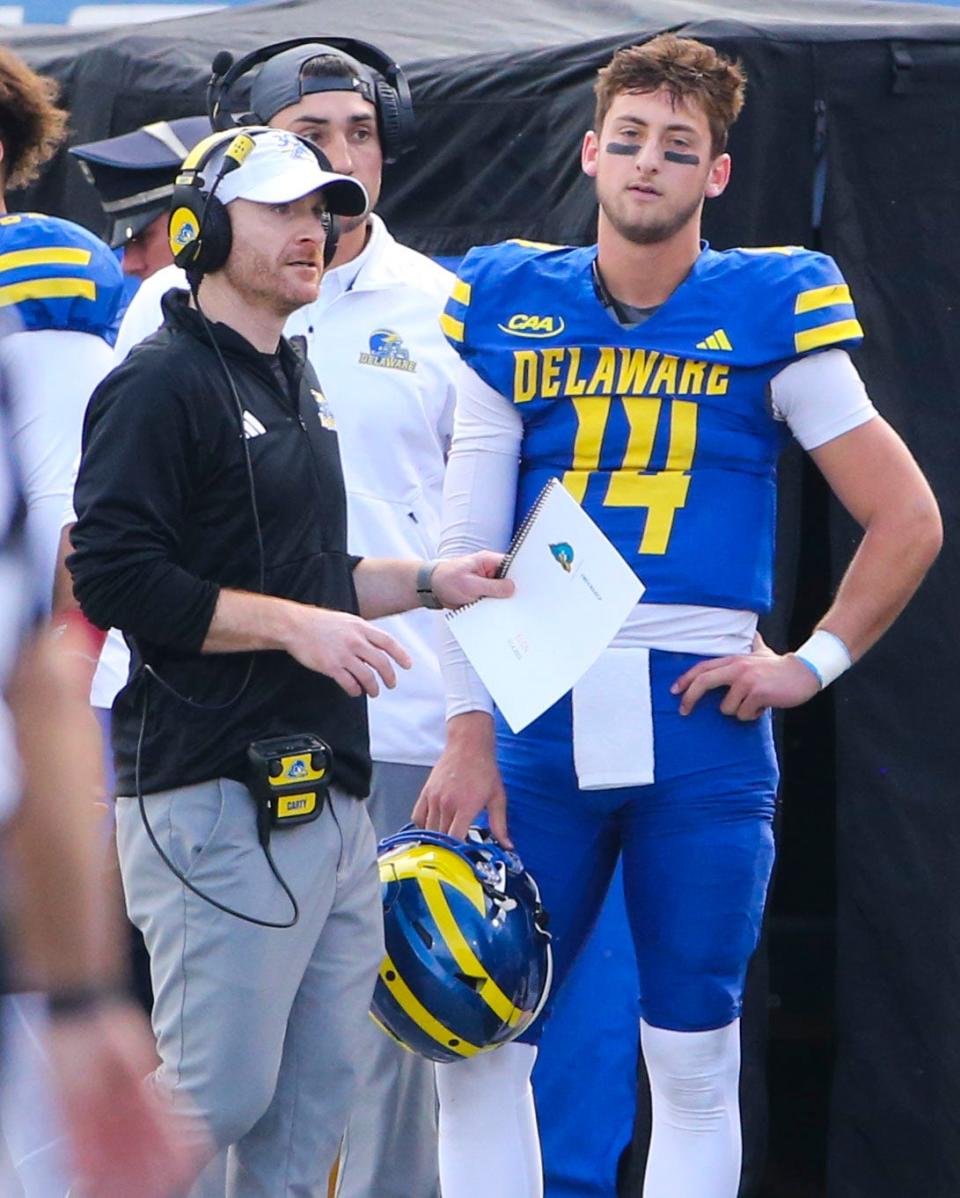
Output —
(574, 591)
(527, 523)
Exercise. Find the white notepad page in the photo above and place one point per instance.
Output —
(574, 591)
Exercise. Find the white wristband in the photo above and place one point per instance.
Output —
(825, 655)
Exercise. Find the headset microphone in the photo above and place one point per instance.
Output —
(222, 62)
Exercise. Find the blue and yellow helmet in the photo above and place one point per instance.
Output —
(467, 964)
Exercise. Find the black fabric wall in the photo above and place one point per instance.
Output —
(892, 218)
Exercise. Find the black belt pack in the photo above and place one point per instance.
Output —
(288, 778)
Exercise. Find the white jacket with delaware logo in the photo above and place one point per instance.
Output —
(387, 371)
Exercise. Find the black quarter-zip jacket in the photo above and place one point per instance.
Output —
(165, 519)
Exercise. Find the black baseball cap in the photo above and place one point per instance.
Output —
(134, 173)
(280, 81)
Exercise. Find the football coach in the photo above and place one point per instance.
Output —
(211, 529)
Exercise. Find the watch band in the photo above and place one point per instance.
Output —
(424, 586)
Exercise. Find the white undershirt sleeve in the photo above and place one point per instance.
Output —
(49, 376)
(820, 397)
(479, 496)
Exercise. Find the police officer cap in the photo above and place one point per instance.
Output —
(280, 81)
(134, 173)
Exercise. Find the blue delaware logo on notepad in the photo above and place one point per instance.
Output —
(563, 553)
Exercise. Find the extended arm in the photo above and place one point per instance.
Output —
(479, 496)
(874, 476)
(346, 647)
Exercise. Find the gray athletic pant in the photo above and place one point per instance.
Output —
(390, 1149)
(259, 1030)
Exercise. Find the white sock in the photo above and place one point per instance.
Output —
(489, 1141)
(695, 1146)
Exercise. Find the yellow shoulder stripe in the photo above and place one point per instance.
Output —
(461, 291)
(822, 297)
(535, 245)
(827, 334)
(49, 256)
(453, 328)
(464, 955)
(16, 293)
(419, 1013)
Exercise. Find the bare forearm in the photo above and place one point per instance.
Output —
(243, 622)
(886, 570)
(386, 586)
(336, 643)
(472, 732)
(62, 919)
(872, 473)
(339, 644)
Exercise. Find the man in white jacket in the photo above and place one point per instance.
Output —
(374, 339)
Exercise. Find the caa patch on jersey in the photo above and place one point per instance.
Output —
(663, 431)
(57, 275)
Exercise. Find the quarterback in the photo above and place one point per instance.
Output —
(659, 380)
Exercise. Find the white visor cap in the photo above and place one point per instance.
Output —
(281, 168)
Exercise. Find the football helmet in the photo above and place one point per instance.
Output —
(467, 964)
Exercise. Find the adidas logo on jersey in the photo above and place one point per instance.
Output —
(252, 426)
(716, 340)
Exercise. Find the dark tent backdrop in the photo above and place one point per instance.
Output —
(853, 113)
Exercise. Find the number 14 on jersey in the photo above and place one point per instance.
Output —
(633, 484)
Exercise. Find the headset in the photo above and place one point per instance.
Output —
(199, 227)
(380, 80)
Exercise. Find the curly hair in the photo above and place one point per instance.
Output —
(687, 69)
(32, 127)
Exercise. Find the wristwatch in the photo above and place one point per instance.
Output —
(425, 589)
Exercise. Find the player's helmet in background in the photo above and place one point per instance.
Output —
(467, 964)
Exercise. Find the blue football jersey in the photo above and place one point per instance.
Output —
(664, 433)
(57, 275)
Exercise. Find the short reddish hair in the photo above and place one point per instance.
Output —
(32, 127)
(688, 69)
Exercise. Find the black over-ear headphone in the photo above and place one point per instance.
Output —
(390, 90)
(199, 228)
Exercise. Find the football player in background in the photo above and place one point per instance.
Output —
(60, 290)
(662, 386)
